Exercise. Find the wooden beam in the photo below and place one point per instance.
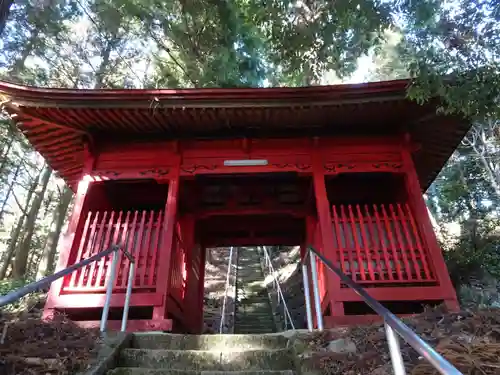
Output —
(325, 225)
(159, 312)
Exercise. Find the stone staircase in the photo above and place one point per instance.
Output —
(171, 354)
(215, 290)
(253, 309)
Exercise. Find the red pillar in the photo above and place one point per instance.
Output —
(163, 272)
(325, 225)
(429, 237)
(72, 234)
(192, 263)
(201, 288)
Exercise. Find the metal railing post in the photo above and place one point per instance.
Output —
(113, 251)
(109, 291)
(279, 294)
(223, 313)
(46, 281)
(307, 297)
(395, 351)
(395, 324)
(130, 282)
(317, 300)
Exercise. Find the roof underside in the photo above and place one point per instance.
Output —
(59, 121)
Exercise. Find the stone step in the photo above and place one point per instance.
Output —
(249, 328)
(254, 303)
(146, 371)
(249, 321)
(254, 331)
(251, 360)
(251, 308)
(206, 342)
(255, 328)
(249, 269)
(253, 298)
(254, 292)
(241, 312)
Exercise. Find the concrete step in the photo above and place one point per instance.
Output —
(253, 310)
(255, 303)
(206, 342)
(249, 269)
(255, 328)
(257, 314)
(197, 360)
(242, 313)
(146, 371)
(255, 331)
(249, 321)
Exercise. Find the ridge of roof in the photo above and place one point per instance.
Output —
(31, 93)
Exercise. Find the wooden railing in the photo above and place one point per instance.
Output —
(138, 232)
(380, 243)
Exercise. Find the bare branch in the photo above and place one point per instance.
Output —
(166, 49)
(19, 204)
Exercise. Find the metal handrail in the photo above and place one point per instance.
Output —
(392, 323)
(37, 285)
(281, 297)
(223, 311)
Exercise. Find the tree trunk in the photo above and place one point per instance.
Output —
(4, 13)
(16, 231)
(19, 64)
(9, 191)
(5, 154)
(101, 72)
(490, 171)
(22, 253)
(47, 265)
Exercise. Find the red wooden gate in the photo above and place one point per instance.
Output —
(380, 244)
(137, 231)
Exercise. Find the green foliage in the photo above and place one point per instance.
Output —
(8, 285)
(449, 48)
(306, 39)
(24, 303)
(481, 295)
(452, 50)
(477, 253)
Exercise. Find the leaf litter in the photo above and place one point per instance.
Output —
(30, 345)
(470, 340)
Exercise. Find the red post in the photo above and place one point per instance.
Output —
(72, 235)
(192, 264)
(429, 237)
(325, 225)
(163, 278)
(201, 287)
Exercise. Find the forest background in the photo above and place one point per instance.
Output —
(450, 48)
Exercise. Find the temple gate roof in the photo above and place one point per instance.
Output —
(58, 122)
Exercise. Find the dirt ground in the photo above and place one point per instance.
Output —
(30, 346)
(470, 340)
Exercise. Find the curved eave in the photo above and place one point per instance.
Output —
(58, 122)
(58, 97)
